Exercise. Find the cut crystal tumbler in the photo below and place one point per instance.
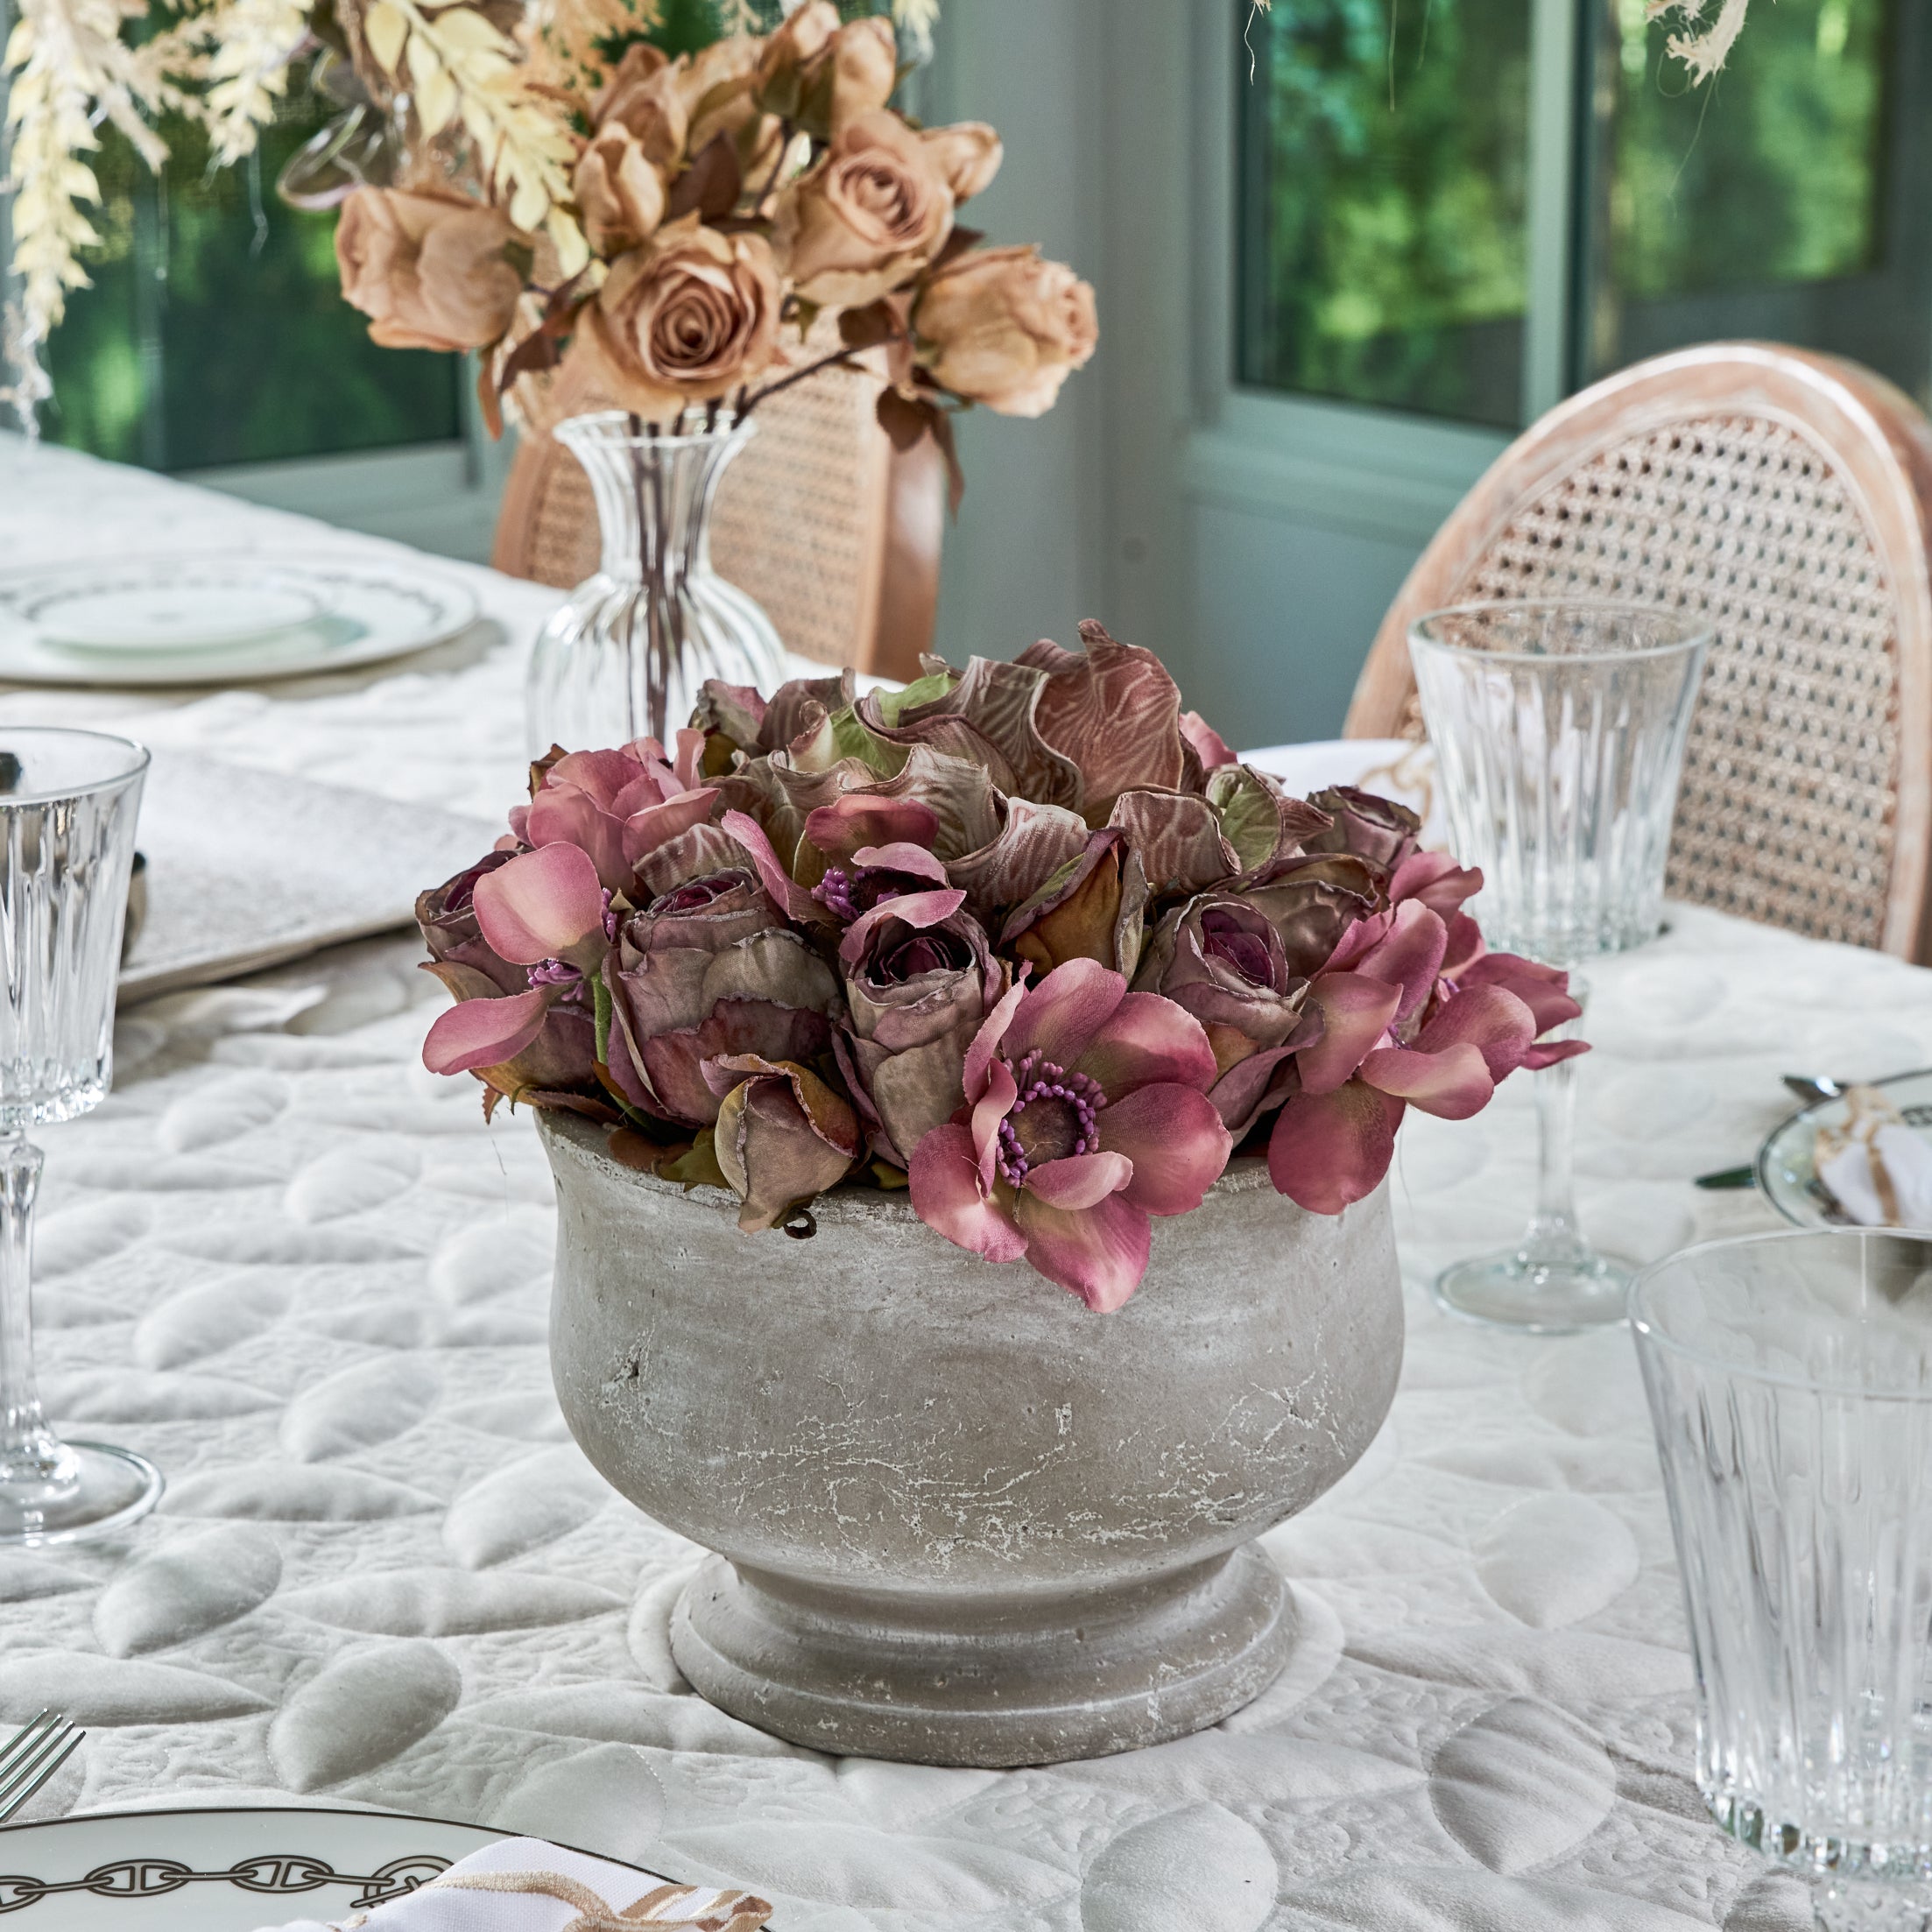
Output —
(626, 656)
(1559, 731)
(68, 802)
(1790, 1381)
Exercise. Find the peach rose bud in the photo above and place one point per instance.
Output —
(864, 69)
(969, 154)
(429, 271)
(619, 194)
(644, 96)
(1003, 328)
(873, 212)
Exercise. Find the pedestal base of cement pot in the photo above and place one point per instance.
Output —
(992, 1681)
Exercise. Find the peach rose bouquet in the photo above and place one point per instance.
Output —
(683, 222)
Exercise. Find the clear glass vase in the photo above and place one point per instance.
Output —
(624, 658)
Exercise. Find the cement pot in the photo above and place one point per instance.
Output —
(961, 1519)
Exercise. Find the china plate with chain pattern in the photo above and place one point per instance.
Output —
(203, 620)
(218, 1870)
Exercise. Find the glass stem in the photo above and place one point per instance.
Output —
(29, 1450)
(1553, 1239)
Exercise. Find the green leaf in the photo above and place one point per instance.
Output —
(697, 1167)
(1250, 820)
(894, 705)
(600, 996)
(853, 738)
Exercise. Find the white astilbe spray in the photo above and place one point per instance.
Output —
(1702, 49)
(917, 17)
(460, 69)
(249, 45)
(68, 63)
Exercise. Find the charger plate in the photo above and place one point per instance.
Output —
(217, 620)
(1787, 1174)
(223, 1870)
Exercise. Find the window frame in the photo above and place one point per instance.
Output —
(1376, 472)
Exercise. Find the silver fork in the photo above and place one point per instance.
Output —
(33, 1757)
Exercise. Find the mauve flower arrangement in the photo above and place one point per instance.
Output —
(1026, 939)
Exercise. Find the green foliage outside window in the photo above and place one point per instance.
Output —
(216, 332)
(1774, 174)
(1385, 191)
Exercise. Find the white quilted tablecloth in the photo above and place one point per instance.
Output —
(303, 1276)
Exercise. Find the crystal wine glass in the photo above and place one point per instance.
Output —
(68, 802)
(1790, 1383)
(1559, 729)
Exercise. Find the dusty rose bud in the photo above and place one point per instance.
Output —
(782, 1135)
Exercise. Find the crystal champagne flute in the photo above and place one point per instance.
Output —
(1559, 729)
(68, 800)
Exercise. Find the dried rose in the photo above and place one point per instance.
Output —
(1090, 908)
(782, 1135)
(692, 316)
(917, 989)
(864, 70)
(1220, 958)
(718, 87)
(446, 916)
(618, 806)
(969, 154)
(795, 48)
(619, 193)
(710, 968)
(644, 97)
(1000, 326)
(873, 210)
(430, 271)
(1089, 1114)
(1375, 828)
(542, 911)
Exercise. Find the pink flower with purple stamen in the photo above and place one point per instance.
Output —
(1086, 1114)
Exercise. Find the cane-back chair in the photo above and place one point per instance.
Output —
(1788, 496)
(834, 533)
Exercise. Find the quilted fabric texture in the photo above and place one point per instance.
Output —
(303, 1275)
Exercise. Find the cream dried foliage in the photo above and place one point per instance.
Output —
(68, 63)
(460, 70)
(250, 43)
(560, 37)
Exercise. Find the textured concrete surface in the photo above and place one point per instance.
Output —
(971, 1521)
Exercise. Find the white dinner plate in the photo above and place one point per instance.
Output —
(219, 1871)
(1787, 1174)
(200, 620)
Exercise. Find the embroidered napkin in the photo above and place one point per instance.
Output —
(1879, 1168)
(522, 1885)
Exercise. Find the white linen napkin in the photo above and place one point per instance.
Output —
(523, 1884)
(1878, 1169)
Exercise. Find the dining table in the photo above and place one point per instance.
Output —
(310, 1280)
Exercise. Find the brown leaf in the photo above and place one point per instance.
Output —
(956, 243)
(488, 400)
(904, 420)
(711, 184)
(866, 327)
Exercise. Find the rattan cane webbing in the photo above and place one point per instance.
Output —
(799, 521)
(1785, 815)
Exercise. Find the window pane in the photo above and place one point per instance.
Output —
(1382, 239)
(1789, 201)
(215, 331)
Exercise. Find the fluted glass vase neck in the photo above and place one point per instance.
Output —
(654, 491)
(628, 655)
